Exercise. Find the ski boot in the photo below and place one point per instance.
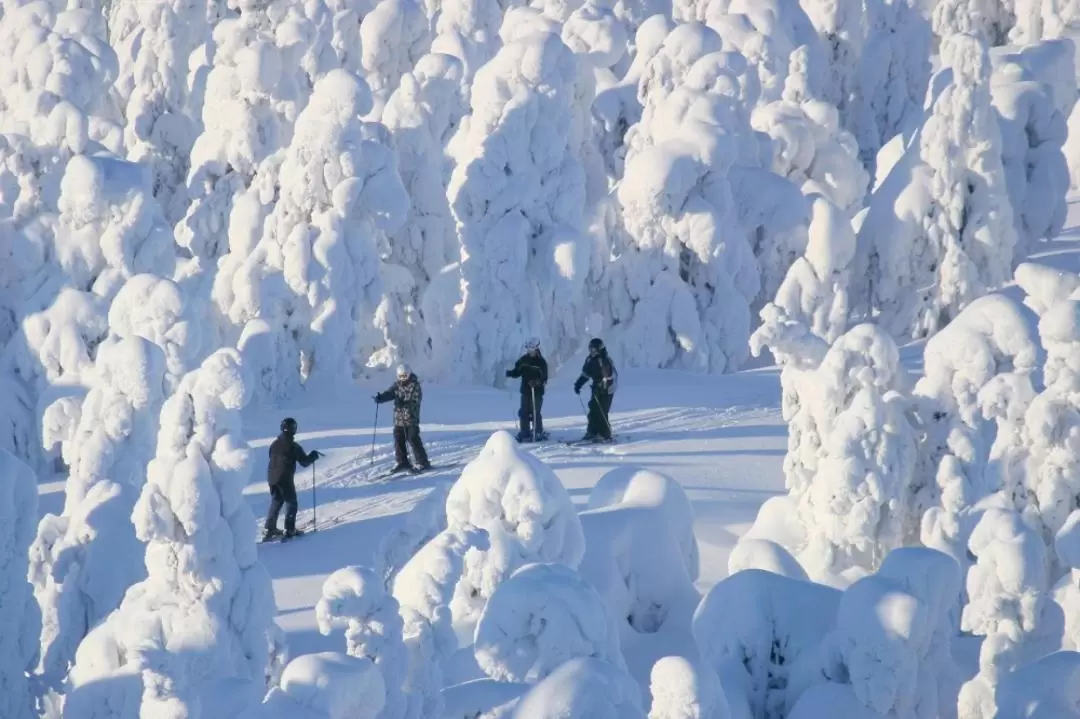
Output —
(271, 534)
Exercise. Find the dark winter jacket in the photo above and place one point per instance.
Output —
(285, 454)
(601, 371)
(407, 397)
(533, 371)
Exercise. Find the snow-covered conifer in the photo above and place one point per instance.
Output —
(303, 285)
(942, 220)
(1033, 134)
(154, 42)
(542, 616)
(84, 560)
(682, 690)
(22, 618)
(393, 37)
(582, 688)
(326, 685)
(56, 72)
(1010, 605)
(354, 599)
(205, 587)
(518, 197)
(811, 149)
(421, 116)
(990, 20)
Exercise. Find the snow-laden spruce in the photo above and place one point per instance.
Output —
(517, 195)
(980, 367)
(421, 116)
(154, 42)
(542, 616)
(682, 689)
(526, 512)
(302, 280)
(851, 446)
(22, 618)
(811, 149)
(84, 560)
(1010, 605)
(326, 685)
(1033, 91)
(55, 74)
(583, 688)
(393, 38)
(354, 599)
(205, 589)
(942, 220)
(250, 100)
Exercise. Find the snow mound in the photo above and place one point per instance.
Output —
(750, 553)
(539, 618)
(681, 690)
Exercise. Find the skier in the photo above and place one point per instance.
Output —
(285, 454)
(407, 396)
(601, 371)
(532, 368)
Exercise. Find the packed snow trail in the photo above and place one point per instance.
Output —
(721, 437)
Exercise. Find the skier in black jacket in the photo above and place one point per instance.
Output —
(600, 370)
(407, 396)
(285, 454)
(533, 370)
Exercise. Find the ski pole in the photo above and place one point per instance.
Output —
(532, 388)
(314, 503)
(604, 415)
(374, 428)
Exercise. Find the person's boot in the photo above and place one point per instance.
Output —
(269, 534)
(402, 467)
(290, 533)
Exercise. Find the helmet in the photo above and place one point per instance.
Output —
(288, 425)
(596, 344)
(533, 343)
(403, 371)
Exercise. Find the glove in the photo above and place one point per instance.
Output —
(316, 454)
(509, 373)
(577, 389)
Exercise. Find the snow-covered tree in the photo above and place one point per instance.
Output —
(812, 150)
(205, 588)
(517, 194)
(326, 685)
(979, 367)
(22, 618)
(939, 232)
(84, 560)
(542, 616)
(307, 296)
(682, 690)
(582, 688)
(1032, 120)
(154, 42)
(393, 38)
(354, 599)
(989, 19)
(422, 115)
(1010, 605)
(57, 69)
(851, 445)
(814, 292)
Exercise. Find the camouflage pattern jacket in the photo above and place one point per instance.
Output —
(407, 396)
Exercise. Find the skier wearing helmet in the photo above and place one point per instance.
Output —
(600, 370)
(533, 370)
(407, 396)
(285, 454)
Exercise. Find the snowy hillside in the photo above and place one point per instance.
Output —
(290, 291)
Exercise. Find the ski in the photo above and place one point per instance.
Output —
(540, 438)
(617, 439)
(280, 538)
(414, 472)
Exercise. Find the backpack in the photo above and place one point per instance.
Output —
(608, 372)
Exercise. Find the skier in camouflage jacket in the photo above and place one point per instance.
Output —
(407, 395)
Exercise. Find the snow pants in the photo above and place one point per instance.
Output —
(409, 434)
(284, 493)
(599, 409)
(529, 414)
